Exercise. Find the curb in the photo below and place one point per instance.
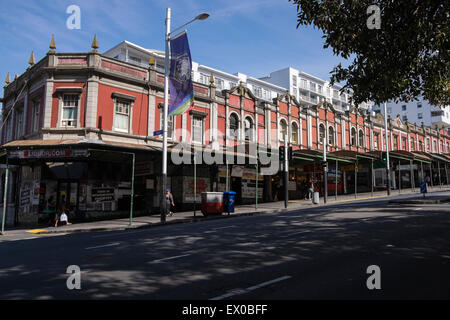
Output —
(157, 224)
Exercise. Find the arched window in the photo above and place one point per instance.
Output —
(428, 146)
(234, 126)
(248, 123)
(331, 136)
(353, 133)
(283, 129)
(294, 133)
(420, 146)
(413, 145)
(361, 139)
(321, 133)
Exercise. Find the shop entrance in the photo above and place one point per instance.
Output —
(68, 192)
(236, 186)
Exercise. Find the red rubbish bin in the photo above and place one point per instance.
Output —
(212, 203)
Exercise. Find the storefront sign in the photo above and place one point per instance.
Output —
(102, 194)
(143, 169)
(47, 154)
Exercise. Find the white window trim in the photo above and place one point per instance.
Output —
(229, 136)
(192, 130)
(253, 128)
(130, 115)
(334, 137)
(281, 139)
(61, 95)
(298, 132)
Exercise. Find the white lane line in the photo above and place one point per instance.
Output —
(120, 234)
(224, 227)
(104, 246)
(170, 258)
(417, 209)
(242, 291)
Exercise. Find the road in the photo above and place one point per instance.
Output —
(318, 253)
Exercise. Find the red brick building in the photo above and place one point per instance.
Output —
(75, 126)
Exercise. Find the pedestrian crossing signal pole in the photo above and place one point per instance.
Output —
(286, 172)
(325, 172)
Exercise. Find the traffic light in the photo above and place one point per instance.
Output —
(281, 153)
(290, 153)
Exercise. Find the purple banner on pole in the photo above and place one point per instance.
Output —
(181, 89)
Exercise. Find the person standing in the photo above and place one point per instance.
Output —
(51, 209)
(169, 202)
(62, 210)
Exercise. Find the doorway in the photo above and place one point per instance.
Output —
(68, 193)
(236, 186)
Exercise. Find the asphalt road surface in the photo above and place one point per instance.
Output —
(318, 253)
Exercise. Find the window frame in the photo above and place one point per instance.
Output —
(234, 134)
(63, 107)
(201, 119)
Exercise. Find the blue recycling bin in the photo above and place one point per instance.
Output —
(229, 201)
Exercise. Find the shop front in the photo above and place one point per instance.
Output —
(94, 182)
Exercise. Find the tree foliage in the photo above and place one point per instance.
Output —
(407, 57)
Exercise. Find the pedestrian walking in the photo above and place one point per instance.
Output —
(169, 202)
(311, 190)
(62, 210)
(51, 209)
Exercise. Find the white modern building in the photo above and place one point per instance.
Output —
(308, 89)
(418, 112)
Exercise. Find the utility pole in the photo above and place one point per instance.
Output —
(388, 171)
(325, 172)
(286, 172)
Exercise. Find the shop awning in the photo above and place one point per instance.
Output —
(21, 151)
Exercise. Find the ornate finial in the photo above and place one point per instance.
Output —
(151, 61)
(32, 60)
(7, 80)
(52, 45)
(94, 44)
(211, 79)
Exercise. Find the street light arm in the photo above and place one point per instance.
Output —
(202, 16)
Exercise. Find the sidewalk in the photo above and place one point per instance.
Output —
(190, 216)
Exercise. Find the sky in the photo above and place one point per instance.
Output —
(254, 37)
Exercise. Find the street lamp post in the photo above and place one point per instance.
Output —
(387, 151)
(201, 16)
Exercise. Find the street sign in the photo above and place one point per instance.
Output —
(158, 133)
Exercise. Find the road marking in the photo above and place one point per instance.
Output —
(417, 209)
(36, 230)
(224, 227)
(242, 291)
(120, 234)
(170, 258)
(104, 246)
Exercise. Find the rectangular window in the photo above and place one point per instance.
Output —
(294, 80)
(419, 115)
(404, 107)
(70, 110)
(375, 141)
(19, 123)
(219, 83)
(319, 89)
(389, 110)
(122, 115)
(35, 119)
(257, 91)
(404, 118)
(304, 83)
(197, 129)
(135, 59)
(232, 84)
(404, 142)
(169, 125)
(204, 78)
(419, 105)
(395, 142)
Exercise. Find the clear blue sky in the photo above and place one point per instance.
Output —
(253, 37)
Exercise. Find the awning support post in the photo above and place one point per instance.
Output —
(5, 195)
